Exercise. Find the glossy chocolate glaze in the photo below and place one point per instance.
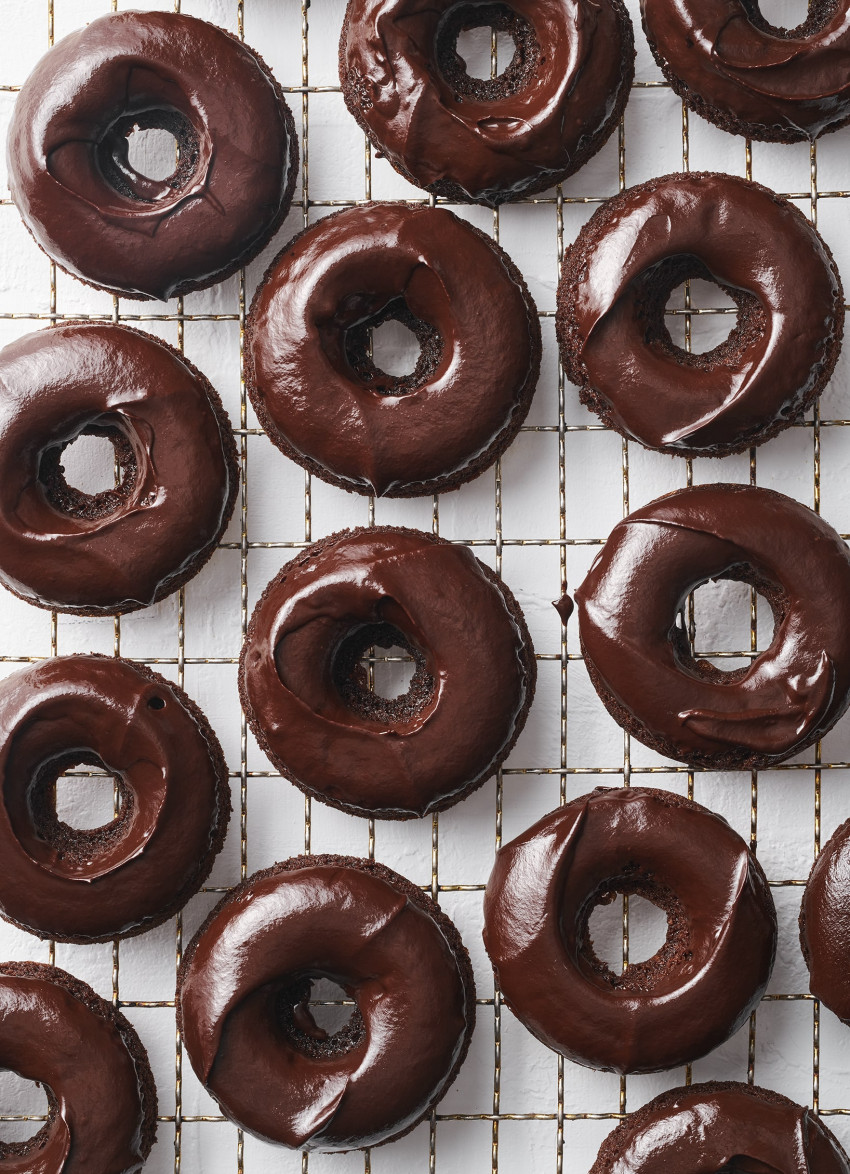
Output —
(638, 655)
(564, 607)
(97, 217)
(751, 77)
(825, 924)
(704, 1128)
(305, 699)
(486, 142)
(250, 1035)
(701, 985)
(131, 874)
(762, 251)
(55, 1030)
(126, 548)
(325, 404)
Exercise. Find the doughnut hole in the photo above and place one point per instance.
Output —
(153, 153)
(658, 288)
(389, 689)
(51, 805)
(27, 1103)
(404, 332)
(619, 922)
(170, 145)
(722, 615)
(391, 671)
(476, 50)
(790, 18)
(713, 317)
(464, 46)
(395, 349)
(87, 466)
(318, 1016)
(657, 920)
(722, 619)
(85, 801)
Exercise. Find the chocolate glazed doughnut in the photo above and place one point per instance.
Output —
(748, 76)
(123, 878)
(313, 383)
(305, 694)
(101, 1096)
(636, 648)
(721, 1126)
(694, 993)
(761, 251)
(84, 202)
(243, 1004)
(127, 547)
(486, 141)
(825, 924)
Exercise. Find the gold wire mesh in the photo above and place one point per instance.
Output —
(175, 1121)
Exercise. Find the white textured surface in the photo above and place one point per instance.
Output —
(592, 463)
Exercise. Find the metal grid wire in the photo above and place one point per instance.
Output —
(299, 93)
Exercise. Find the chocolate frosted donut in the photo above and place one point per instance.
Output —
(694, 993)
(750, 77)
(85, 203)
(636, 647)
(313, 383)
(825, 924)
(305, 694)
(243, 1004)
(486, 141)
(761, 251)
(101, 1096)
(721, 1126)
(131, 874)
(127, 547)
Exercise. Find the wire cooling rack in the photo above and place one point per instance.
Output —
(538, 518)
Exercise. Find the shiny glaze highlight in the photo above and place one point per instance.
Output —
(486, 149)
(378, 937)
(373, 433)
(87, 207)
(125, 549)
(132, 874)
(639, 659)
(674, 1008)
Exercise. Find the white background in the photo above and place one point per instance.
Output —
(515, 1105)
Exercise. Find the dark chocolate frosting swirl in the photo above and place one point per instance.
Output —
(243, 991)
(703, 982)
(762, 251)
(325, 404)
(125, 548)
(131, 874)
(705, 1128)
(304, 696)
(55, 1030)
(734, 67)
(638, 655)
(86, 205)
(561, 96)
